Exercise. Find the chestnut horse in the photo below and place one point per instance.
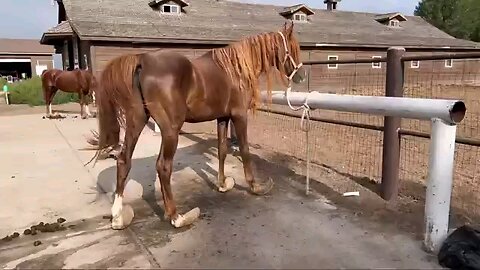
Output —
(221, 85)
(74, 81)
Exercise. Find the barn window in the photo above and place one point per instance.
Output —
(300, 17)
(394, 23)
(332, 58)
(415, 64)
(170, 8)
(376, 64)
(449, 63)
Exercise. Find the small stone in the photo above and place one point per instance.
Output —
(13, 176)
(27, 232)
(61, 220)
(37, 243)
(107, 217)
(15, 235)
(71, 226)
(7, 238)
(34, 232)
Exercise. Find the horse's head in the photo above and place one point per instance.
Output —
(290, 58)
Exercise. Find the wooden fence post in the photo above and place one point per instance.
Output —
(391, 139)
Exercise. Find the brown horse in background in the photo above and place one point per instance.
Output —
(74, 81)
(222, 85)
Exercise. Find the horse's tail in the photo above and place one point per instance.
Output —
(113, 98)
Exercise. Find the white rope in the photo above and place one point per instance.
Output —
(304, 125)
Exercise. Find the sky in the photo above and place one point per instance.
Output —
(30, 18)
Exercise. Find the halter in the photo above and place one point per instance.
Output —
(295, 69)
(296, 66)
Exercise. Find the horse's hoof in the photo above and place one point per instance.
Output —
(84, 116)
(124, 218)
(262, 189)
(228, 184)
(186, 219)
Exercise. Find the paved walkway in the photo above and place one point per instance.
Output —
(43, 178)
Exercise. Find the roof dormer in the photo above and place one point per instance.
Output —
(168, 6)
(297, 13)
(391, 19)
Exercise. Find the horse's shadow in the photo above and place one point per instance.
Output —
(143, 170)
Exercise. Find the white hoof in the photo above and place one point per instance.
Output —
(228, 185)
(124, 218)
(186, 219)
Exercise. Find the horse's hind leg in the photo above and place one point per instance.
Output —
(225, 183)
(122, 215)
(240, 123)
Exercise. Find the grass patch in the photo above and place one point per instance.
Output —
(30, 92)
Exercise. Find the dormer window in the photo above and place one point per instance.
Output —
(392, 20)
(297, 13)
(394, 23)
(170, 8)
(300, 17)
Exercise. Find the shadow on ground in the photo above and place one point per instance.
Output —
(270, 164)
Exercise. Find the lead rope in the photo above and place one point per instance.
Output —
(304, 125)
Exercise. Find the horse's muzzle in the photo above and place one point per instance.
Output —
(300, 76)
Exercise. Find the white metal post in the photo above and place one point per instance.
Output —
(439, 185)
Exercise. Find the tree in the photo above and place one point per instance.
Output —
(459, 18)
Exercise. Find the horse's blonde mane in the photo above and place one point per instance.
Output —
(245, 60)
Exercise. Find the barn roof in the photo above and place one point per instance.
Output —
(222, 21)
(62, 29)
(24, 47)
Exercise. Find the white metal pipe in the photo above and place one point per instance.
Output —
(450, 111)
(439, 185)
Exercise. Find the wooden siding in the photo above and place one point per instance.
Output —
(346, 78)
(103, 54)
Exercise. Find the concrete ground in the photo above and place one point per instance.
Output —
(43, 178)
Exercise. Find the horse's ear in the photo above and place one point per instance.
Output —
(289, 30)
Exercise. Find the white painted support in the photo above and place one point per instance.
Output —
(444, 114)
(450, 111)
(439, 185)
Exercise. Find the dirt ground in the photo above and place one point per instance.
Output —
(284, 230)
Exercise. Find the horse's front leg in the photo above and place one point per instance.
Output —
(224, 183)
(85, 103)
(81, 97)
(240, 123)
(164, 169)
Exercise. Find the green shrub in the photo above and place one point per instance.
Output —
(30, 92)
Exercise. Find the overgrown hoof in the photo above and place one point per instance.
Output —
(123, 219)
(262, 189)
(228, 184)
(186, 219)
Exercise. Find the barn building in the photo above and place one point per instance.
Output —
(24, 58)
(90, 33)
